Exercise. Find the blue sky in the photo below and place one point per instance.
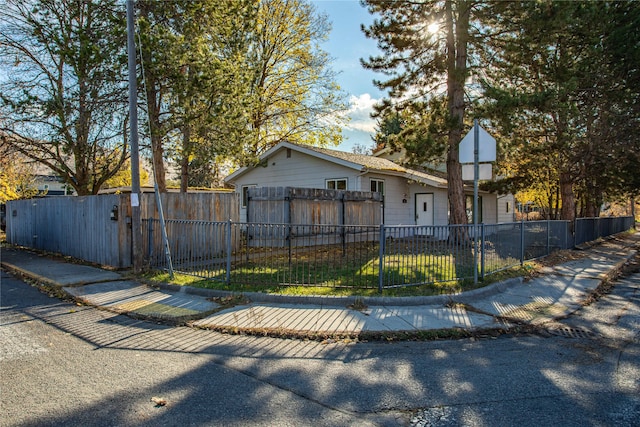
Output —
(347, 44)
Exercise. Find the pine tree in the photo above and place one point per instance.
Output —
(559, 96)
(426, 54)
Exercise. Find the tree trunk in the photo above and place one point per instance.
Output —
(568, 209)
(158, 162)
(184, 162)
(153, 110)
(457, 37)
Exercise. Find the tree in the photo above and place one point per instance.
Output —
(560, 94)
(123, 177)
(64, 99)
(228, 80)
(195, 79)
(427, 69)
(295, 95)
(17, 178)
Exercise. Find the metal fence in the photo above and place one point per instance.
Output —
(377, 257)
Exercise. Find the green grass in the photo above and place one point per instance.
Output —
(326, 279)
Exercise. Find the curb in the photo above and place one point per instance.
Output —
(338, 301)
(44, 280)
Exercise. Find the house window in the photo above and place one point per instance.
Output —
(337, 184)
(245, 194)
(377, 186)
(469, 209)
(508, 207)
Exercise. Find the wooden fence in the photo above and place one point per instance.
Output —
(288, 205)
(309, 208)
(98, 228)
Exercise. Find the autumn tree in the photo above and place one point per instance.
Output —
(63, 98)
(426, 50)
(17, 177)
(123, 177)
(293, 87)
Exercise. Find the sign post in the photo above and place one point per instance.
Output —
(477, 146)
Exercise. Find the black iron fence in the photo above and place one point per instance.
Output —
(377, 257)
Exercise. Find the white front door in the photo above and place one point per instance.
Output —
(424, 209)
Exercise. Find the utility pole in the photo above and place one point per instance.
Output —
(136, 222)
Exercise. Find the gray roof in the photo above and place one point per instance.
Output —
(359, 161)
(379, 164)
(369, 162)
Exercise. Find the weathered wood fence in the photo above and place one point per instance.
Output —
(289, 205)
(308, 209)
(98, 228)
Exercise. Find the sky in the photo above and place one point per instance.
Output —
(347, 44)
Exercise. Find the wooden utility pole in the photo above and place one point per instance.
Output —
(136, 221)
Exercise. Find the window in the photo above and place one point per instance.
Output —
(469, 208)
(245, 194)
(508, 207)
(337, 184)
(377, 186)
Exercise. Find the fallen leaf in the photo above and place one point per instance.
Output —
(158, 401)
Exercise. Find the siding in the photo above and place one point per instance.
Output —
(299, 170)
(302, 170)
(501, 202)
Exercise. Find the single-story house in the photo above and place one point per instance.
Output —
(52, 185)
(411, 197)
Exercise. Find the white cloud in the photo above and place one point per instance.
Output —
(359, 112)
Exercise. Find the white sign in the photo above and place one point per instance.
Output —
(484, 172)
(486, 147)
(134, 199)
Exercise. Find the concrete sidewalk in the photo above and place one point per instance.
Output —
(556, 293)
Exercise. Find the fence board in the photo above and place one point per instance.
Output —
(308, 207)
(76, 226)
(80, 226)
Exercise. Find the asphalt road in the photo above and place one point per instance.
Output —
(62, 364)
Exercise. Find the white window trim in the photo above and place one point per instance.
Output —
(378, 181)
(346, 183)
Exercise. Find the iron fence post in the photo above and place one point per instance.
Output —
(522, 242)
(228, 272)
(548, 236)
(482, 253)
(150, 240)
(381, 259)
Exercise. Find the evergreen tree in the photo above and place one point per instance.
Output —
(559, 96)
(426, 54)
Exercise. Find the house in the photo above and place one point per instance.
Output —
(411, 197)
(52, 185)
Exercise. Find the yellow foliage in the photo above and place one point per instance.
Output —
(123, 177)
(16, 179)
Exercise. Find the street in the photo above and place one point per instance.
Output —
(62, 364)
